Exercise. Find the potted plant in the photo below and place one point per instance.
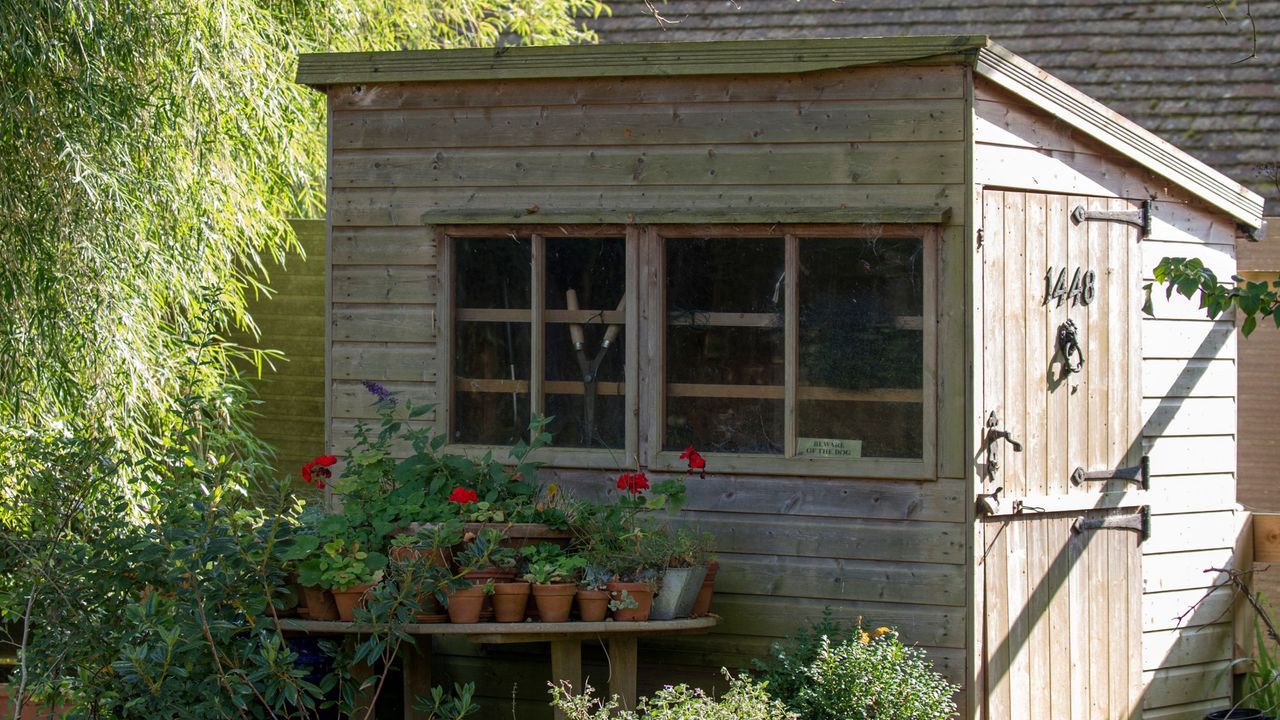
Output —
(346, 570)
(702, 605)
(510, 599)
(465, 602)
(684, 554)
(592, 597)
(552, 573)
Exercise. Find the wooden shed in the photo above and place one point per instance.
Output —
(891, 287)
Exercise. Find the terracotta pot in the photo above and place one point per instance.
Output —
(641, 591)
(465, 604)
(509, 601)
(436, 556)
(702, 605)
(593, 605)
(349, 599)
(320, 605)
(518, 535)
(554, 601)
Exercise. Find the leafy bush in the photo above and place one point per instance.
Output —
(744, 700)
(826, 673)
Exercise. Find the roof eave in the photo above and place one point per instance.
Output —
(320, 70)
(1096, 120)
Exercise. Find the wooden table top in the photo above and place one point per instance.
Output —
(493, 633)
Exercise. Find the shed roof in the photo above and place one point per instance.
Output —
(790, 56)
(1201, 74)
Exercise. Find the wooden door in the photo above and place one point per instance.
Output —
(1061, 608)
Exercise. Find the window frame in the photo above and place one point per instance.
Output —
(651, 446)
(568, 457)
(646, 326)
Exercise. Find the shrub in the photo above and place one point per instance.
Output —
(826, 673)
(744, 700)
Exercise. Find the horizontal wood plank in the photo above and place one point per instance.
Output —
(1184, 339)
(352, 400)
(387, 323)
(1185, 570)
(384, 246)
(385, 283)
(595, 125)
(800, 498)
(921, 82)
(1188, 416)
(1192, 455)
(408, 206)
(415, 362)
(834, 579)
(1203, 377)
(925, 624)
(1185, 608)
(796, 164)
(1186, 646)
(825, 537)
(1181, 685)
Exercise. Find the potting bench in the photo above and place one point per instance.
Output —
(565, 640)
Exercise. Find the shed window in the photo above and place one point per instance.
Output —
(782, 349)
(538, 331)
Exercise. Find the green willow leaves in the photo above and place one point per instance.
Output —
(152, 148)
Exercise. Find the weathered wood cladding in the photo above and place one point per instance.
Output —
(1188, 395)
(892, 551)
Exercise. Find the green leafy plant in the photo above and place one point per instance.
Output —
(1189, 277)
(454, 706)
(548, 563)
(743, 700)
(341, 565)
(826, 672)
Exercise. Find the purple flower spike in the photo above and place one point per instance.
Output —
(382, 394)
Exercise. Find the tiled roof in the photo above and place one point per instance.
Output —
(1181, 68)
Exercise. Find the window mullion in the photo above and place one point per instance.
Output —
(791, 342)
(537, 332)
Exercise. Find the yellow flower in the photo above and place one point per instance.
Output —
(553, 490)
(880, 631)
(863, 637)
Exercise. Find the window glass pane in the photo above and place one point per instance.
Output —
(585, 387)
(491, 381)
(491, 352)
(861, 348)
(491, 272)
(724, 351)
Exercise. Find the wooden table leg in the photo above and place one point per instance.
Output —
(622, 669)
(417, 675)
(566, 666)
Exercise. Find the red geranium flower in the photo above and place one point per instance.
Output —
(696, 461)
(462, 496)
(306, 471)
(634, 483)
(326, 460)
(320, 484)
(319, 468)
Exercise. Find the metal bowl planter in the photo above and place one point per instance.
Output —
(1238, 714)
(677, 592)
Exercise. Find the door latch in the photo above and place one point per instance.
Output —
(1139, 521)
(994, 433)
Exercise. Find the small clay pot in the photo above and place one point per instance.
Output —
(593, 605)
(702, 605)
(641, 591)
(509, 601)
(320, 605)
(465, 604)
(436, 556)
(554, 601)
(348, 600)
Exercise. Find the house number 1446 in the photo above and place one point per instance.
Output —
(1080, 292)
